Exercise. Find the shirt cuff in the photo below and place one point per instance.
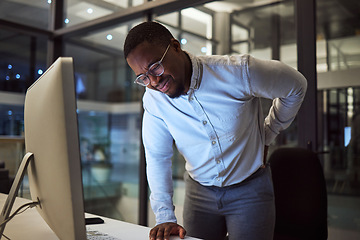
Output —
(165, 216)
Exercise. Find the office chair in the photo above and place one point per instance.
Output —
(300, 195)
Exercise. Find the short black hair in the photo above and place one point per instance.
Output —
(151, 32)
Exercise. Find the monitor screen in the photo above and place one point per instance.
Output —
(347, 136)
(51, 138)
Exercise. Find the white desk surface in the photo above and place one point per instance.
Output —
(29, 225)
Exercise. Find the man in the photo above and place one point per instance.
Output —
(210, 107)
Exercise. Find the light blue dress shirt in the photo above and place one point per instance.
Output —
(218, 126)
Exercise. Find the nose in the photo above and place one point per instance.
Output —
(154, 80)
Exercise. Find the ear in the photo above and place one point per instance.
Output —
(176, 45)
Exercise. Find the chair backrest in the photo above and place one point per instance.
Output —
(300, 194)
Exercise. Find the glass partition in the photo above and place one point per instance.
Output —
(109, 144)
(11, 120)
(33, 13)
(344, 53)
(23, 60)
(268, 32)
(339, 120)
(79, 11)
(102, 73)
(109, 125)
(338, 68)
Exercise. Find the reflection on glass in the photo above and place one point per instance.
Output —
(196, 45)
(195, 33)
(196, 21)
(17, 73)
(170, 19)
(340, 139)
(268, 32)
(11, 120)
(339, 128)
(239, 33)
(109, 134)
(34, 13)
(288, 54)
(109, 144)
(321, 55)
(102, 73)
(77, 11)
(240, 48)
(344, 53)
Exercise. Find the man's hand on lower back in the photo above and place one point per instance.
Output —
(266, 150)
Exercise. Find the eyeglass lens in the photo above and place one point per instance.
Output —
(155, 70)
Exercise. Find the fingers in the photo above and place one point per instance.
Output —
(164, 230)
(266, 149)
(167, 232)
(182, 232)
(153, 233)
(179, 230)
(160, 232)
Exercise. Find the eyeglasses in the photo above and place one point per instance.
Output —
(156, 69)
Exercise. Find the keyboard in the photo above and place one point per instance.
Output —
(96, 235)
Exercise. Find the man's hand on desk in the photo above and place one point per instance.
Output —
(164, 230)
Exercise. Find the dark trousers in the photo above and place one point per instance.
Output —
(243, 211)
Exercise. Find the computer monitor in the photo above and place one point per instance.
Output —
(53, 155)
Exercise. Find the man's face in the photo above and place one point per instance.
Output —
(172, 82)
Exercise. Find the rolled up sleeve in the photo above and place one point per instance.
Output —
(158, 151)
(284, 85)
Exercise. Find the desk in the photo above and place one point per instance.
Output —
(30, 226)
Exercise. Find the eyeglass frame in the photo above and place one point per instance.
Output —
(146, 75)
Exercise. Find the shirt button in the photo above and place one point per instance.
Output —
(213, 142)
(204, 122)
(218, 179)
(192, 99)
(218, 161)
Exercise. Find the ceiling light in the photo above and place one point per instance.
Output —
(183, 41)
(66, 20)
(109, 37)
(17, 76)
(9, 66)
(86, 11)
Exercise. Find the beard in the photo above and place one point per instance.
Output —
(176, 90)
(179, 90)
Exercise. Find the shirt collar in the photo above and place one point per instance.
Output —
(196, 74)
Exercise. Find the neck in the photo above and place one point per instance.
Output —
(188, 71)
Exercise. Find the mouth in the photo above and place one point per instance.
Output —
(164, 85)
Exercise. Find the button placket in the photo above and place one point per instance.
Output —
(196, 105)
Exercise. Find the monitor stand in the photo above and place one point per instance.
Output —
(14, 190)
